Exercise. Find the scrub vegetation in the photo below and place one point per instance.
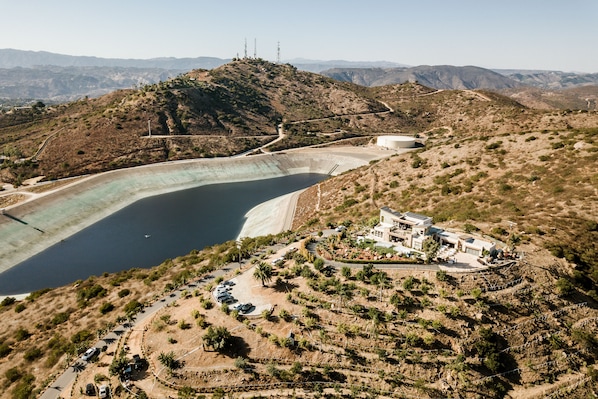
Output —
(525, 178)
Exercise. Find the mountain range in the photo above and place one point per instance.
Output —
(50, 77)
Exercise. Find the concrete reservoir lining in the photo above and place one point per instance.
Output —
(58, 215)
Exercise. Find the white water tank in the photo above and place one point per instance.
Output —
(395, 142)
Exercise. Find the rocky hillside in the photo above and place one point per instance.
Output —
(436, 76)
(575, 98)
(224, 111)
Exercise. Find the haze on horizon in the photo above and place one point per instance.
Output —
(507, 34)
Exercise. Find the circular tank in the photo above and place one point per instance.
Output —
(394, 142)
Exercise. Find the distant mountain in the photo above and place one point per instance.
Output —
(437, 76)
(318, 66)
(10, 58)
(553, 79)
(61, 84)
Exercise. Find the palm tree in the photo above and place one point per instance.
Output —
(376, 316)
(263, 272)
(344, 294)
(347, 331)
(382, 281)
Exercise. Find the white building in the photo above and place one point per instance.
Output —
(410, 230)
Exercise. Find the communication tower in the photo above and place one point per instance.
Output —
(254, 47)
(245, 48)
(278, 53)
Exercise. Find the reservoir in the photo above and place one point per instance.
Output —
(149, 231)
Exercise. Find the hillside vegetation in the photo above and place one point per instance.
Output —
(522, 177)
(221, 112)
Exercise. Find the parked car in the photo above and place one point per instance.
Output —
(228, 300)
(246, 307)
(228, 282)
(90, 390)
(222, 295)
(103, 392)
(137, 362)
(89, 353)
(237, 306)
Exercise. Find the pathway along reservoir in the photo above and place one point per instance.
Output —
(149, 231)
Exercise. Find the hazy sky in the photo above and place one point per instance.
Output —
(519, 34)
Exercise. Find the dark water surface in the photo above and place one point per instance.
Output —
(176, 223)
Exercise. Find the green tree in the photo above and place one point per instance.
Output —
(564, 287)
(217, 338)
(186, 393)
(344, 294)
(133, 307)
(168, 360)
(263, 272)
(431, 248)
(346, 272)
(382, 280)
(118, 365)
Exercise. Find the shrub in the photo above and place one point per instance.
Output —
(441, 275)
(20, 307)
(133, 307)
(124, 293)
(8, 301)
(32, 354)
(409, 283)
(318, 264)
(13, 374)
(60, 318)
(22, 334)
(5, 349)
(24, 389)
(183, 325)
(81, 336)
(493, 146)
(564, 287)
(106, 307)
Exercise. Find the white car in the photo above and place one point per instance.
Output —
(103, 392)
(89, 353)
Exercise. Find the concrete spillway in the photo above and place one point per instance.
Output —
(36, 225)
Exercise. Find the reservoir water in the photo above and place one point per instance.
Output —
(149, 231)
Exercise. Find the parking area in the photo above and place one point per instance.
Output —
(247, 289)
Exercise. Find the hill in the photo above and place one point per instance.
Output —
(581, 98)
(238, 107)
(225, 111)
(490, 166)
(437, 76)
(553, 79)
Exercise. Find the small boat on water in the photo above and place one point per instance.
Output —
(147, 236)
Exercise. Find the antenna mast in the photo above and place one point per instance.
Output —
(245, 47)
(278, 54)
(254, 47)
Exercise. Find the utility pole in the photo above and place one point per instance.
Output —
(245, 48)
(254, 48)
(149, 128)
